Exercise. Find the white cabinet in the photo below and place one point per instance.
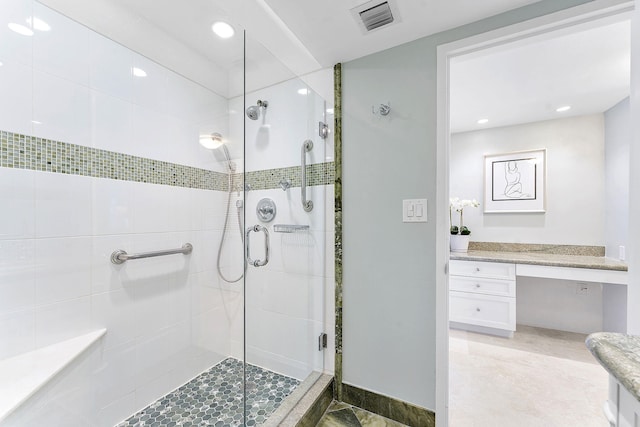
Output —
(622, 409)
(482, 296)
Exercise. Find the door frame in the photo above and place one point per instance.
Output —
(586, 15)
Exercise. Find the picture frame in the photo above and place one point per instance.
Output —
(515, 182)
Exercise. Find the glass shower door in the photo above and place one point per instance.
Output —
(285, 237)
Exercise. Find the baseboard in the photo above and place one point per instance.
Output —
(388, 407)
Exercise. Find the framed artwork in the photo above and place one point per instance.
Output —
(515, 182)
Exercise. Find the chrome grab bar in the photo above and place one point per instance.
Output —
(120, 256)
(307, 146)
(257, 262)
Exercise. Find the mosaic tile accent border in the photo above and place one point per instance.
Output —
(317, 174)
(388, 407)
(215, 398)
(47, 155)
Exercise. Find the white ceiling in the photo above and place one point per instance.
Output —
(526, 81)
(511, 84)
(331, 33)
(304, 36)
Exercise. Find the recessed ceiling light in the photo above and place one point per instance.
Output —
(35, 122)
(1, 64)
(138, 72)
(303, 91)
(329, 110)
(483, 121)
(20, 29)
(563, 109)
(38, 24)
(223, 30)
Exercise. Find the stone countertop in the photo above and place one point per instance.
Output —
(537, 258)
(619, 354)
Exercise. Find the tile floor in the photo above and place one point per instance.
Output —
(214, 398)
(540, 377)
(343, 415)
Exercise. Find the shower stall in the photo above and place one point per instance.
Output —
(159, 264)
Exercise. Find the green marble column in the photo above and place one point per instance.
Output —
(337, 137)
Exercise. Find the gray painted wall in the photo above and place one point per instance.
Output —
(389, 270)
(616, 202)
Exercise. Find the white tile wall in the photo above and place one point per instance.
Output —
(168, 318)
(61, 109)
(63, 51)
(18, 191)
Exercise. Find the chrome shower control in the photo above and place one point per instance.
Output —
(266, 210)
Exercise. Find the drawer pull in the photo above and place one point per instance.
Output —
(477, 285)
(478, 269)
(478, 309)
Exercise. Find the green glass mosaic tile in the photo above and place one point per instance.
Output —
(33, 153)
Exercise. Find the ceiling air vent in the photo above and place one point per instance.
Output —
(376, 16)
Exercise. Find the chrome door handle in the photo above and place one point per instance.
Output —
(257, 262)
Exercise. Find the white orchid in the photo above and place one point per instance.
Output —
(455, 204)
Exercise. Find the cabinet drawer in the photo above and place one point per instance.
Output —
(483, 310)
(493, 270)
(478, 285)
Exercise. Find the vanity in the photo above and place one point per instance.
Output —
(482, 282)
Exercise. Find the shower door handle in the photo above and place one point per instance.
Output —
(307, 146)
(257, 262)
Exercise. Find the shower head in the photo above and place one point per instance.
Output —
(213, 142)
(253, 112)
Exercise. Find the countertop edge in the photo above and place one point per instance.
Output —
(504, 257)
(607, 348)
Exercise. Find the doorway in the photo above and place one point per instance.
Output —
(475, 49)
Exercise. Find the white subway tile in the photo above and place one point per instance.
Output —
(152, 359)
(111, 123)
(63, 269)
(110, 67)
(63, 205)
(18, 191)
(63, 51)
(151, 208)
(16, 83)
(115, 311)
(150, 91)
(15, 47)
(62, 320)
(61, 110)
(18, 332)
(118, 410)
(150, 137)
(17, 275)
(210, 331)
(115, 374)
(112, 206)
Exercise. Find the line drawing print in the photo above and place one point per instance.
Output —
(514, 179)
(513, 189)
(515, 182)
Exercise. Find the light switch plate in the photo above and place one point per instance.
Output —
(414, 210)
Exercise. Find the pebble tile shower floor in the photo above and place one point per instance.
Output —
(214, 398)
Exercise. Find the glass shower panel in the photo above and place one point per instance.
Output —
(108, 146)
(284, 299)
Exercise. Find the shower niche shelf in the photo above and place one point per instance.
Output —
(25, 374)
(290, 228)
